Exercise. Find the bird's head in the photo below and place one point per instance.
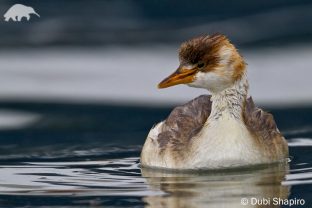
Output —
(209, 62)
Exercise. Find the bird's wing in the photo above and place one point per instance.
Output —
(184, 122)
(262, 126)
(258, 121)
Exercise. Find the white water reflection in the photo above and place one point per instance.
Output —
(219, 189)
(297, 142)
(17, 119)
(114, 177)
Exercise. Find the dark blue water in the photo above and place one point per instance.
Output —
(67, 155)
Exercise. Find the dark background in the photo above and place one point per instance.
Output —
(132, 22)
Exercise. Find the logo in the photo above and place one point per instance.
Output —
(19, 11)
(244, 201)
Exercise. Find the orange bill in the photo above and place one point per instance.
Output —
(180, 76)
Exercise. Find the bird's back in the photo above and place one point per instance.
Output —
(184, 122)
(264, 130)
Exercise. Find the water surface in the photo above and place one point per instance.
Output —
(65, 155)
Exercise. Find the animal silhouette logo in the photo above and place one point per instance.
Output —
(18, 11)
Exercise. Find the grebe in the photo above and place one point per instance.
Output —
(221, 130)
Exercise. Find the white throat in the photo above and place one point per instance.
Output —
(225, 141)
(230, 100)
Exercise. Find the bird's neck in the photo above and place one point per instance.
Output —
(230, 101)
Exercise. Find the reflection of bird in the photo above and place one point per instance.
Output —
(217, 131)
(198, 189)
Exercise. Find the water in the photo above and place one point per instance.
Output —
(70, 155)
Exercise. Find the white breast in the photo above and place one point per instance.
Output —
(225, 142)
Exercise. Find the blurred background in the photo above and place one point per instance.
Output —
(78, 92)
(100, 51)
(85, 72)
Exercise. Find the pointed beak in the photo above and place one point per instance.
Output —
(181, 76)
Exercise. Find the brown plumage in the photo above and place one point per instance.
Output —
(263, 128)
(195, 50)
(185, 121)
(206, 49)
(217, 131)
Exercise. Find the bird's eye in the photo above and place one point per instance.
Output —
(201, 65)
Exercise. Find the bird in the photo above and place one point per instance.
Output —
(224, 129)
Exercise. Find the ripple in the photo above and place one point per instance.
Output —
(113, 177)
(84, 177)
(298, 130)
(297, 142)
